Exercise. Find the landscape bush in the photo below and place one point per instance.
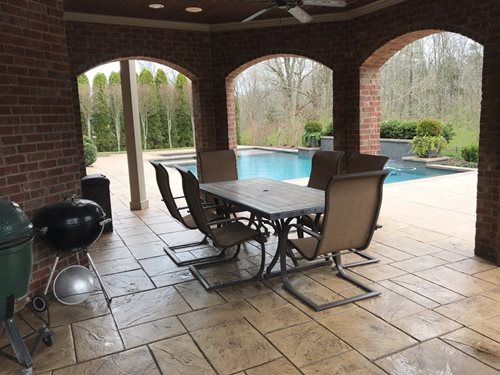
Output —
(470, 153)
(398, 129)
(422, 146)
(89, 151)
(429, 127)
(328, 130)
(311, 129)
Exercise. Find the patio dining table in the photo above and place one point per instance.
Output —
(278, 201)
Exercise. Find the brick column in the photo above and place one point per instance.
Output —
(488, 190)
(369, 110)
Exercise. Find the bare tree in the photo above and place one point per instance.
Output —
(116, 105)
(85, 96)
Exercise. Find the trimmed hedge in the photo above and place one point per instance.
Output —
(407, 129)
(398, 129)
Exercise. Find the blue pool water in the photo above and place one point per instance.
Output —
(287, 166)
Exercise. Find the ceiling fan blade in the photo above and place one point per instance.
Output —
(300, 14)
(262, 11)
(325, 3)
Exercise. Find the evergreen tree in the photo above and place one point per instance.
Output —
(116, 108)
(101, 122)
(148, 103)
(165, 92)
(85, 104)
(182, 114)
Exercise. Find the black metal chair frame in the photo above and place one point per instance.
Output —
(205, 227)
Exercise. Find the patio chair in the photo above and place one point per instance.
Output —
(163, 181)
(227, 233)
(324, 165)
(359, 163)
(217, 166)
(352, 206)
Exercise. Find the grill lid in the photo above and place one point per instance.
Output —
(69, 213)
(15, 227)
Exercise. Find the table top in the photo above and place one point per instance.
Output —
(271, 199)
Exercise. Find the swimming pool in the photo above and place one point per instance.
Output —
(287, 166)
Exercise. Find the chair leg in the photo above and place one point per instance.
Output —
(369, 259)
(195, 270)
(340, 273)
(170, 251)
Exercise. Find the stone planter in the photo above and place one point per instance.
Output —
(327, 143)
(395, 149)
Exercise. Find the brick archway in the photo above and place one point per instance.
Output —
(231, 112)
(369, 89)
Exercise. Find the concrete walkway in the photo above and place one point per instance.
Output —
(445, 204)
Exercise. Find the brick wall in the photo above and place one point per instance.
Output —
(39, 143)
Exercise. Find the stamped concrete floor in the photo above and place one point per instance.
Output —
(439, 311)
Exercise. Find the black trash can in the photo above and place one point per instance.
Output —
(95, 187)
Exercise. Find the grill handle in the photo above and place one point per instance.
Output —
(104, 222)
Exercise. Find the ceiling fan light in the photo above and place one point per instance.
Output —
(156, 6)
(194, 9)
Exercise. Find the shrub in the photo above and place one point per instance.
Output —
(89, 151)
(448, 132)
(328, 130)
(429, 127)
(398, 129)
(422, 145)
(470, 153)
(312, 129)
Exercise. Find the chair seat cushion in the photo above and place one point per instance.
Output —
(306, 246)
(233, 234)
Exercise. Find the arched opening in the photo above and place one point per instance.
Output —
(271, 98)
(161, 91)
(135, 106)
(426, 74)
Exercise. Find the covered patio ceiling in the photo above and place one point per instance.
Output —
(215, 11)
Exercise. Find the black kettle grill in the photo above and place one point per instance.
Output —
(69, 226)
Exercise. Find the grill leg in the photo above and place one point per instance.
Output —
(103, 288)
(18, 346)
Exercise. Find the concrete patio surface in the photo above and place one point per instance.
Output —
(439, 311)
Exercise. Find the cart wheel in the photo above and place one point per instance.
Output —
(47, 338)
(40, 303)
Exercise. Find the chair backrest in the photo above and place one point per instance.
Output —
(191, 189)
(216, 166)
(352, 206)
(163, 181)
(325, 164)
(365, 163)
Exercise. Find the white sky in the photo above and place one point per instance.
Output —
(139, 65)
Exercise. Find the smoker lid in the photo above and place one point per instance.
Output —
(69, 213)
(15, 227)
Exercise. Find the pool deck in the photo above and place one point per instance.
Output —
(439, 308)
(446, 204)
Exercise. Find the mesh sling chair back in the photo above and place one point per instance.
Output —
(324, 165)
(365, 163)
(352, 206)
(228, 233)
(163, 181)
(216, 166)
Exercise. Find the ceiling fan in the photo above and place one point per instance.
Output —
(294, 8)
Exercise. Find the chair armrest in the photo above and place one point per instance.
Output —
(307, 230)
